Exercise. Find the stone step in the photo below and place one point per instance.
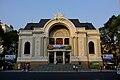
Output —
(57, 67)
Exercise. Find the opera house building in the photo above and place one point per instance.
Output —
(59, 40)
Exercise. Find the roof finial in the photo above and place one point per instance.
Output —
(59, 15)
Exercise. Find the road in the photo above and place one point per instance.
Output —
(59, 76)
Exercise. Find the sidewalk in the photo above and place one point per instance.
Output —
(92, 70)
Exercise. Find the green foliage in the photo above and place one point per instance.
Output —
(10, 38)
(112, 60)
(50, 47)
(94, 65)
(68, 47)
(1, 32)
(110, 36)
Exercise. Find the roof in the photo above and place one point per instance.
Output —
(30, 26)
(76, 22)
(43, 22)
(87, 26)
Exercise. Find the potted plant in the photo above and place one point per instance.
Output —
(50, 47)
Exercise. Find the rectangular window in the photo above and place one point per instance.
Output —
(66, 41)
(51, 41)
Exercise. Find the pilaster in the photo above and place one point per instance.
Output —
(33, 47)
(45, 46)
(37, 46)
(85, 47)
(47, 42)
(74, 43)
(20, 48)
(42, 47)
(77, 48)
(98, 46)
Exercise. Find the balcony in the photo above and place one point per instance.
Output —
(59, 47)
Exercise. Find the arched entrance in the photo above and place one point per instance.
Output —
(59, 35)
(59, 38)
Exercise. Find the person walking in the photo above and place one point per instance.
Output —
(76, 68)
(23, 66)
(73, 67)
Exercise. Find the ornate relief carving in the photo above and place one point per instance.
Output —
(58, 34)
(61, 33)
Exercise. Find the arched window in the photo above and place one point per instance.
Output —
(59, 41)
(91, 48)
(27, 48)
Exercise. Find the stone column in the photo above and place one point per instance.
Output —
(63, 41)
(55, 40)
(70, 57)
(54, 57)
(72, 45)
(63, 57)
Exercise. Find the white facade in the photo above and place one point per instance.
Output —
(78, 38)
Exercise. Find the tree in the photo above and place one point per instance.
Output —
(1, 32)
(110, 36)
(10, 40)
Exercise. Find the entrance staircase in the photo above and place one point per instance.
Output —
(57, 67)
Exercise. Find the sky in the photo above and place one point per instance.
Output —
(20, 12)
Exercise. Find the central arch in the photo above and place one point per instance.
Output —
(59, 34)
(60, 21)
(59, 31)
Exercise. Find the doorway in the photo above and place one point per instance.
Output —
(59, 57)
(51, 57)
(67, 57)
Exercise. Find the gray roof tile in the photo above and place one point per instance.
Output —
(76, 22)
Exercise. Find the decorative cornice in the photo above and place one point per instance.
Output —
(37, 32)
(25, 34)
